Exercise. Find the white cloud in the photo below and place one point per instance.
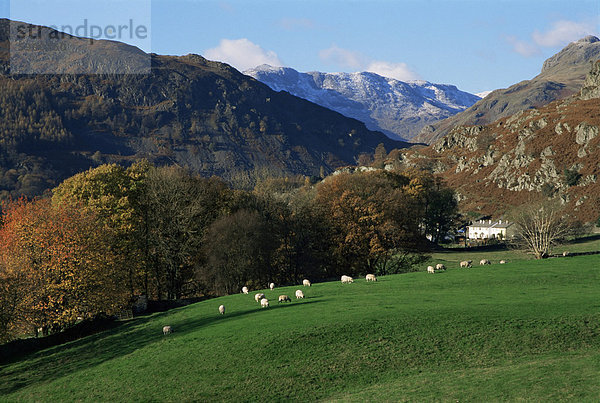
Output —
(348, 59)
(399, 71)
(522, 47)
(242, 54)
(560, 34)
(563, 32)
(342, 57)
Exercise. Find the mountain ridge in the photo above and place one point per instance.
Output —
(561, 76)
(397, 108)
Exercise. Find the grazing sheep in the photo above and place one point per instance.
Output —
(347, 279)
(306, 283)
(440, 266)
(264, 303)
(484, 261)
(565, 253)
(370, 277)
(502, 261)
(258, 297)
(245, 290)
(466, 263)
(271, 286)
(222, 309)
(430, 269)
(299, 294)
(284, 298)
(167, 330)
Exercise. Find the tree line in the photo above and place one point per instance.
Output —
(108, 234)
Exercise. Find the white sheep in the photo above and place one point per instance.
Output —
(347, 279)
(484, 262)
(306, 283)
(370, 277)
(245, 290)
(167, 330)
(565, 253)
(299, 294)
(502, 261)
(264, 303)
(222, 309)
(466, 263)
(258, 297)
(284, 298)
(440, 266)
(271, 286)
(430, 269)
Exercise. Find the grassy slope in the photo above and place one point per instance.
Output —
(524, 330)
(453, 256)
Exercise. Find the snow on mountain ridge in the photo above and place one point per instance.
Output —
(397, 108)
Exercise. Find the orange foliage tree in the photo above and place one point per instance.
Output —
(57, 264)
(372, 217)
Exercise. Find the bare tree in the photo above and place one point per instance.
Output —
(541, 226)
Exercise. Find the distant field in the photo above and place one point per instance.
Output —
(526, 330)
(453, 256)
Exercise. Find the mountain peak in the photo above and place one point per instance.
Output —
(574, 54)
(588, 39)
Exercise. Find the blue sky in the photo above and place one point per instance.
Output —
(476, 45)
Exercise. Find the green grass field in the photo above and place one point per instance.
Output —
(526, 330)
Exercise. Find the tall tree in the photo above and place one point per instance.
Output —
(114, 195)
(180, 207)
(60, 259)
(371, 216)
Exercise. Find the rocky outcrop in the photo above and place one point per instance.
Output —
(549, 152)
(591, 85)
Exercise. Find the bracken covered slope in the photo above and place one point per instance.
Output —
(562, 75)
(553, 151)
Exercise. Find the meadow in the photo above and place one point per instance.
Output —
(525, 330)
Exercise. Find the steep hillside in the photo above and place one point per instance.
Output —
(398, 109)
(525, 330)
(187, 110)
(562, 75)
(546, 152)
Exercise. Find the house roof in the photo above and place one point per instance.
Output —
(491, 224)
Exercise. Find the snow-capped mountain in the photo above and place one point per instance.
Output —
(398, 109)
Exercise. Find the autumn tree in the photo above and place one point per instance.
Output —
(57, 265)
(371, 216)
(114, 195)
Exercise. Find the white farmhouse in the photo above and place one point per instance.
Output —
(489, 229)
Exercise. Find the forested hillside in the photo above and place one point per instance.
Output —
(188, 111)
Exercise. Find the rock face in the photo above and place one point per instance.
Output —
(398, 109)
(591, 85)
(552, 151)
(562, 75)
(187, 110)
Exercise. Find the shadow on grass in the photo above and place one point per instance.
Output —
(482, 248)
(584, 239)
(59, 361)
